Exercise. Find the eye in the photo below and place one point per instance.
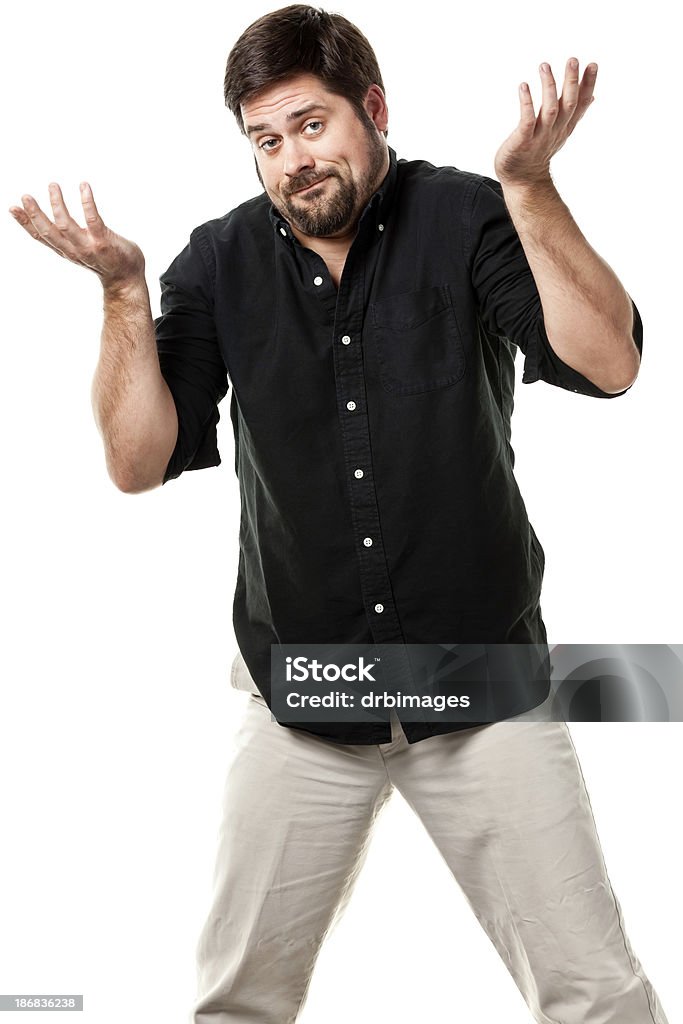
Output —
(264, 145)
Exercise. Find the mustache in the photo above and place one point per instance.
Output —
(305, 184)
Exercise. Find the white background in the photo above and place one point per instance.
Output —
(117, 715)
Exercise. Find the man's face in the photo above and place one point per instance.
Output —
(303, 135)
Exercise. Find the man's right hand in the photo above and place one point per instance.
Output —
(134, 409)
(117, 261)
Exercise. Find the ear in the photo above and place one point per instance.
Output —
(376, 107)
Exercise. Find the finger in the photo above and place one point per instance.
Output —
(527, 114)
(64, 222)
(589, 77)
(586, 96)
(40, 221)
(21, 216)
(588, 83)
(549, 104)
(47, 230)
(570, 91)
(92, 216)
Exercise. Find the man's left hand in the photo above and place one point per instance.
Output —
(524, 157)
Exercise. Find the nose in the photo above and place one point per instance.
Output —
(297, 157)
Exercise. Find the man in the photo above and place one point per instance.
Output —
(367, 311)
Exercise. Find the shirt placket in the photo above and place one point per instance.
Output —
(377, 590)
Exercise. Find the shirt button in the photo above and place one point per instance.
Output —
(345, 340)
(283, 231)
(351, 406)
(379, 607)
(317, 280)
(380, 227)
(358, 473)
(367, 541)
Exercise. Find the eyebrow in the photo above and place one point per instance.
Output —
(290, 117)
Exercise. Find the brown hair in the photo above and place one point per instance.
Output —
(295, 40)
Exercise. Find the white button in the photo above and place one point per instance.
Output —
(380, 227)
(379, 607)
(351, 405)
(317, 280)
(358, 473)
(367, 541)
(345, 340)
(283, 231)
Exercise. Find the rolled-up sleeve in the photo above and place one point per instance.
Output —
(507, 298)
(189, 355)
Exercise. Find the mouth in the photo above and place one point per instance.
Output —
(307, 188)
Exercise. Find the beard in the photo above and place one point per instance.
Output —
(335, 206)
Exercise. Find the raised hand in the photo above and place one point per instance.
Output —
(524, 157)
(116, 260)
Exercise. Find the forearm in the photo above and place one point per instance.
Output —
(586, 310)
(133, 407)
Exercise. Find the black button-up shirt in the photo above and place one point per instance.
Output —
(371, 422)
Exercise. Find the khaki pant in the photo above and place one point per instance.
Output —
(505, 804)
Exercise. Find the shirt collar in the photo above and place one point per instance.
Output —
(376, 211)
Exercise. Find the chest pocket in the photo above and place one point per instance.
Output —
(418, 342)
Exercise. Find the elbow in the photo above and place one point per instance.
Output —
(624, 377)
(614, 373)
(134, 470)
(618, 389)
(135, 487)
(129, 482)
